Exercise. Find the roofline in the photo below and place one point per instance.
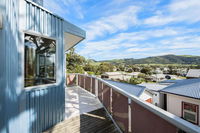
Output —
(179, 95)
(41, 7)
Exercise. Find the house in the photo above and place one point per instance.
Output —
(33, 42)
(116, 75)
(154, 88)
(134, 74)
(193, 73)
(120, 75)
(113, 75)
(158, 71)
(183, 99)
(157, 77)
(136, 90)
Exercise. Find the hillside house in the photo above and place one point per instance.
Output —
(154, 88)
(183, 99)
(136, 90)
(193, 73)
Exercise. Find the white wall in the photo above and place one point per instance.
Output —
(174, 104)
(146, 95)
(159, 99)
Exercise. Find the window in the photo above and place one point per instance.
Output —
(40, 56)
(190, 112)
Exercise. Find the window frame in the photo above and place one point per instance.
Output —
(42, 86)
(197, 112)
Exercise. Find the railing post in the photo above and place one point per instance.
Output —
(76, 79)
(96, 87)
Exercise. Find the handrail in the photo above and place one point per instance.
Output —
(171, 118)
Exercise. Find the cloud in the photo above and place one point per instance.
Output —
(182, 42)
(139, 49)
(131, 43)
(65, 7)
(178, 11)
(113, 23)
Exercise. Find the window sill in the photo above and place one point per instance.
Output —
(41, 87)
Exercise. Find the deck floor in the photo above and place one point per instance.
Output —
(84, 114)
(79, 101)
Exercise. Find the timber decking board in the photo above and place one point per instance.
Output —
(95, 121)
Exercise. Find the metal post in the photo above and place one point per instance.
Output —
(1, 21)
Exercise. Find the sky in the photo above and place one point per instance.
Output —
(119, 29)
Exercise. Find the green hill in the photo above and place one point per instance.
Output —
(165, 59)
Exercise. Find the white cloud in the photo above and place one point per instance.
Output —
(65, 7)
(113, 23)
(178, 11)
(139, 49)
(134, 42)
(182, 42)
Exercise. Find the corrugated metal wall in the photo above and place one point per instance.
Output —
(21, 110)
(47, 103)
(9, 64)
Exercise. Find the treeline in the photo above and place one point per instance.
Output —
(78, 64)
(165, 59)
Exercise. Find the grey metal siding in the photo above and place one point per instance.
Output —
(47, 103)
(9, 85)
(21, 110)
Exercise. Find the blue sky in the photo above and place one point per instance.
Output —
(133, 28)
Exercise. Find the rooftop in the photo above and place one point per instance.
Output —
(193, 73)
(154, 86)
(135, 90)
(188, 88)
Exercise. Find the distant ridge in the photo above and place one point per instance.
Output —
(165, 59)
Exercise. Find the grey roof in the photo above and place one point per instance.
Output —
(154, 86)
(170, 81)
(135, 90)
(187, 88)
(193, 73)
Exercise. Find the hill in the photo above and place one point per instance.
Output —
(165, 59)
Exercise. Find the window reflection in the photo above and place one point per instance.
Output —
(39, 60)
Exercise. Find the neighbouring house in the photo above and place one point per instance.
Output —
(134, 74)
(170, 81)
(33, 42)
(182, 71)
(158, 71)
(120, 75)
(154, 88)
(157, 77)
(165, 70)
(136, 90)
(183, 99)
(193, 73)
(113, 75)
(116, 75)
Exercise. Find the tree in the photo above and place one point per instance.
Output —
(146, 70)
(74, 62)
(136, 80)
(104, 67)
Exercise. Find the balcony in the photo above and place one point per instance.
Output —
(93, 105)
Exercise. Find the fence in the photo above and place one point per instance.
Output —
(129, 112)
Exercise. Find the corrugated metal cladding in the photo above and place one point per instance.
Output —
(47, 103)
(9, 64)
(21, 110)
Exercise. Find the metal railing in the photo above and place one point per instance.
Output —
(129, 112)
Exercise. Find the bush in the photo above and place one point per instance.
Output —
(136, 80)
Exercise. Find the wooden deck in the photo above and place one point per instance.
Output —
(84, 114)
(93, 122)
